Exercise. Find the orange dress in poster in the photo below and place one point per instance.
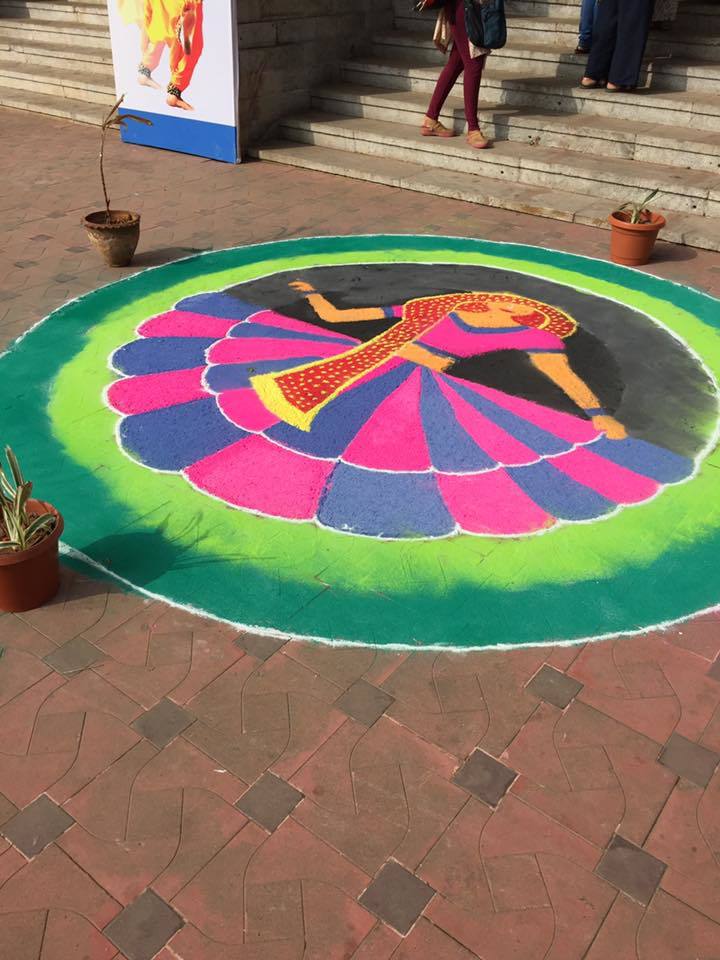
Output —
(175, 24)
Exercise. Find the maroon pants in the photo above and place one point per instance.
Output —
(460, 61)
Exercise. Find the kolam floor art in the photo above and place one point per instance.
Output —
(402, 440)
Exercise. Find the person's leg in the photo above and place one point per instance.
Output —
(446, 81)
(604, 39)
(184, 56)
(633, 25)
(472, 71)
(472, 78)
(587, 18)
(151, 53)
(150, 59)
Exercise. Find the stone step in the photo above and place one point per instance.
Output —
(692, 18)
(600, 136)
(617, 179)
(50, 56)
(513, 8)
(63, 4)
(702, 17)
(52, 105)
(696, 110)
(544, 8)
(703, 232)
(563, 32)
(63, 11)
(92, 84)
(54, 31)
(545, 59)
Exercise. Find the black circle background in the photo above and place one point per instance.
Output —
(640, 372)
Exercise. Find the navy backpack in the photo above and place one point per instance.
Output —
(486, 25)
(484, 19)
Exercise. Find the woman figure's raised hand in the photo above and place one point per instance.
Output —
(301, 286)
(611, 427)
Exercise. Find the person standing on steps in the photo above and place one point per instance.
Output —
(585, 31)
(462, 21)
(619, 38)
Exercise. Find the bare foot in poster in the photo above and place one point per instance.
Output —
(146, 81)
(173, 101)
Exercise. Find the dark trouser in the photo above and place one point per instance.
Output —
(460, 61)
(619, 38)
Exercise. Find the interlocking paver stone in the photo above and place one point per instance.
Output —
(364, 702)
(144, 927)
(76, 655)
(163, 722)
(7, 809)
(259, 646)
(485, 777)
(269, 801)
(554, 686)
(36, 826)
(397, 896)
(689, 760)
(631, 869)
(375, 792)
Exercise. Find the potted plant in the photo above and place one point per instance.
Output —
(29, 534)
(115, 233)
(634, 229)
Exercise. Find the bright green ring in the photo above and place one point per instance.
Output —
(646, 565)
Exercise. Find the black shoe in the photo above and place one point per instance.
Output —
(582, 51)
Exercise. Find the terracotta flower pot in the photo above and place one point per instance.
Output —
(632, 243)
(116, 238)
(29, 578)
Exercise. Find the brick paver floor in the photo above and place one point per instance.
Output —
(170, 787)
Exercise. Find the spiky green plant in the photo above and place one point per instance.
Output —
(638, 209)
(19, 529)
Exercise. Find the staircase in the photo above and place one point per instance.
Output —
(560, 152)
(55, 58)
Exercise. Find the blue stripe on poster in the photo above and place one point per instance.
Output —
(214, 140)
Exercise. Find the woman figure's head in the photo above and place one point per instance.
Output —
(507, 307)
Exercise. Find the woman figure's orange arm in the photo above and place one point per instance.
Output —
(556, 367)
(332, 314)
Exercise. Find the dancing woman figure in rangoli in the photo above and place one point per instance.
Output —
(284, 418)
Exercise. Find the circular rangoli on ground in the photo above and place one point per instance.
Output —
(391, 440)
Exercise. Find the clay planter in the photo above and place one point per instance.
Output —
(116, 238)
(29, 578)
(632, 243)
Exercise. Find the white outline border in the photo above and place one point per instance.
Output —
(77, 555)
(457, 531)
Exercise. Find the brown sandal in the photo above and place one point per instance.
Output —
(433, 128)
(477, 141)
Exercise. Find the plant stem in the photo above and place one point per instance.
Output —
(104, 129)
(102, 172)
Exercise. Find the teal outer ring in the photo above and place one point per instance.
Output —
(462, 615)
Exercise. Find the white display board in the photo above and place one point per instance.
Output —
(175, 61)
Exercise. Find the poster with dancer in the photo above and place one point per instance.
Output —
(175, 62)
